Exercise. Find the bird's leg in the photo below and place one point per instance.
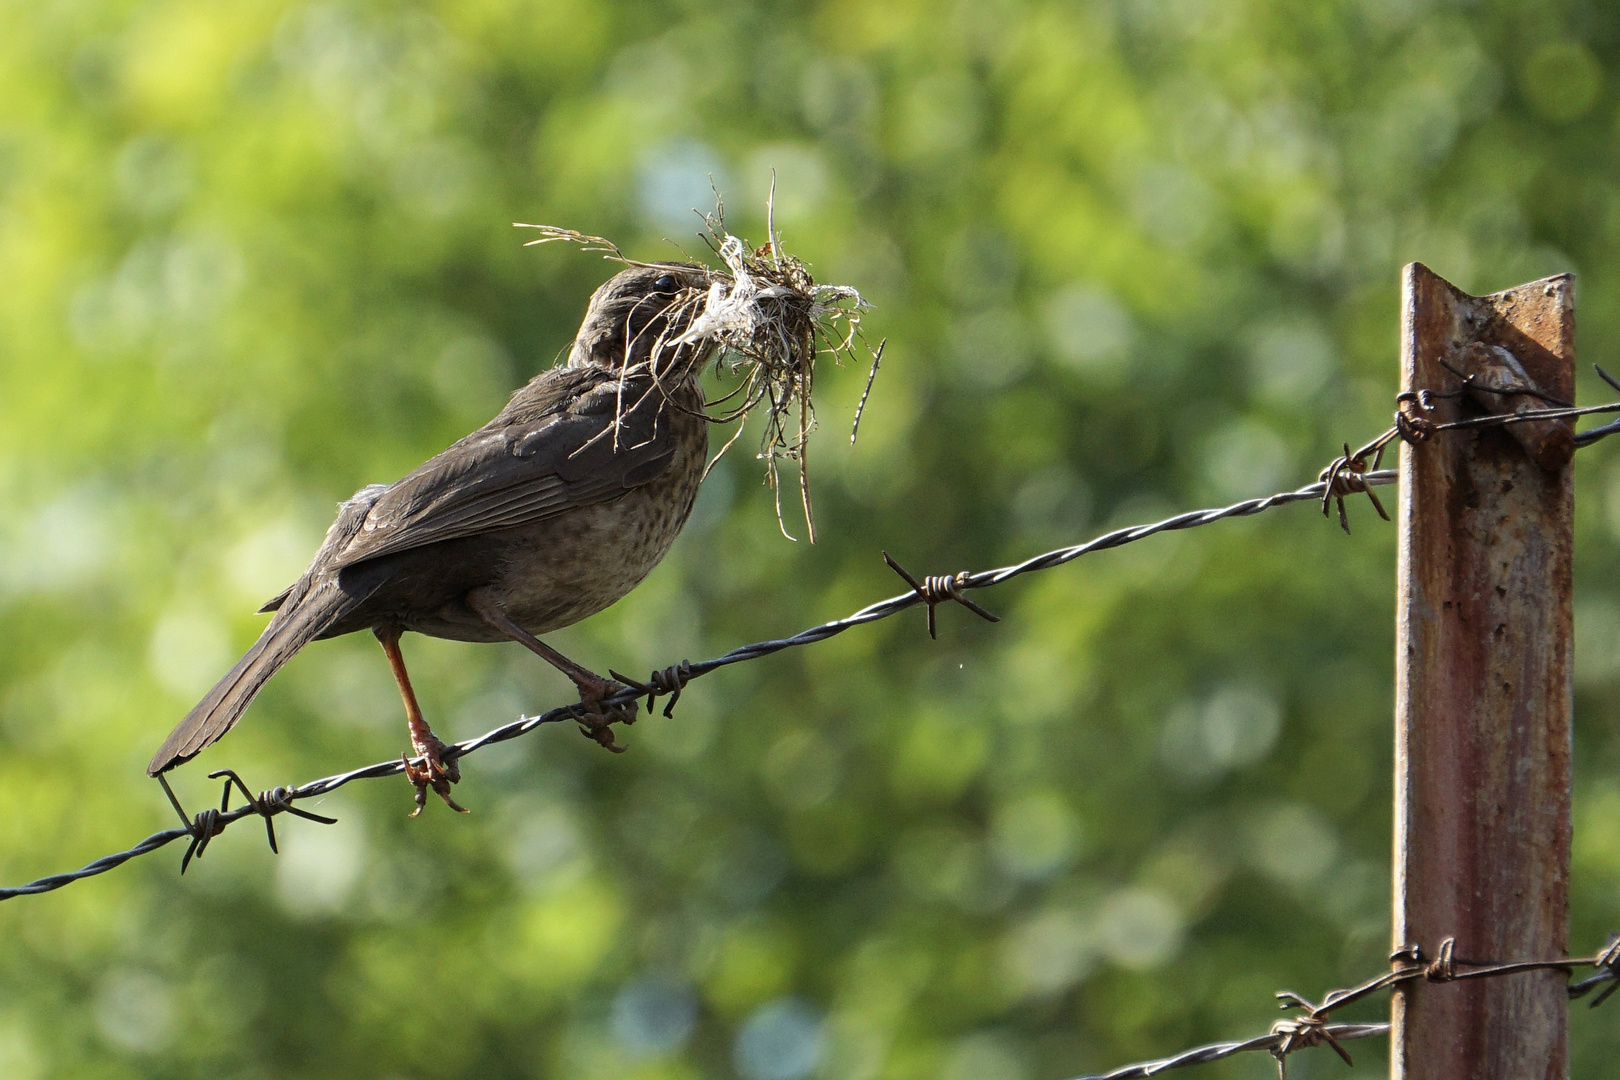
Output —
(434, 772)
(596, 720)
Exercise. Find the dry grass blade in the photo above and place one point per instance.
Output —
(550, 234)
(768, 320)
(866, 392)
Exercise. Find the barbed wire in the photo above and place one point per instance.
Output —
(1272, 1042)
(1352, 473)
(1310, 1027)
(667, 682)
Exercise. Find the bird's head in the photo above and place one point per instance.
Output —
(638, 313)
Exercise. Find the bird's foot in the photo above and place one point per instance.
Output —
(596, 719)
(434, 771)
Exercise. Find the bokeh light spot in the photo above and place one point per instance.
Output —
(781, 1040)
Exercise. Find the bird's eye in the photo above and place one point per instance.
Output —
(665, 283)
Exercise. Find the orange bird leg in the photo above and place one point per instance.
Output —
(434, 772)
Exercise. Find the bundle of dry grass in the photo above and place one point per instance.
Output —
(766, 320)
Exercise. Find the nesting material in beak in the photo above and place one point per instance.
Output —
(767, 319)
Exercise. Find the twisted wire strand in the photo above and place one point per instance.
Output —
(100, 866)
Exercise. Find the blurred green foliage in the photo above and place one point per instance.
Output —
(1130, 257)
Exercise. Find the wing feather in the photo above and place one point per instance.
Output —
(554, 448)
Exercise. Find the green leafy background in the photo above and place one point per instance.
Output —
(1130, 258)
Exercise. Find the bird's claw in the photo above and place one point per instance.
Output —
(596, 719)
(434, 772)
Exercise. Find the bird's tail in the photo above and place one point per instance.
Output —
(299, 621)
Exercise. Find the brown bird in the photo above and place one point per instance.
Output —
(549, 513)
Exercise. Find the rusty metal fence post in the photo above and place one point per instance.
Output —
(1483, 691)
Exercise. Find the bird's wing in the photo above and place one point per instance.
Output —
(572, 437)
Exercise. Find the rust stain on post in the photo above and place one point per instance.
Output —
(1483, 695)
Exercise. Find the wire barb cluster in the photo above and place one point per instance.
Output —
(938, 588)
(210, 822)
(671, 681)
(1347, 475)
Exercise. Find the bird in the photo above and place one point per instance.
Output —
(549, 513)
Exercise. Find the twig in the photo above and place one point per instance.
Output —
(871, 377)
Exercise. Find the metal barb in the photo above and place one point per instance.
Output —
(202, 828)
(1302, 1032)
(1608, 964)
(1606, 377)
(267, 804)
(1412, 426)
(207, 825)
(666, 681)
(1347, 475)
(937, 589)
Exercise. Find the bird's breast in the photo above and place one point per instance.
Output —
(568, 567)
